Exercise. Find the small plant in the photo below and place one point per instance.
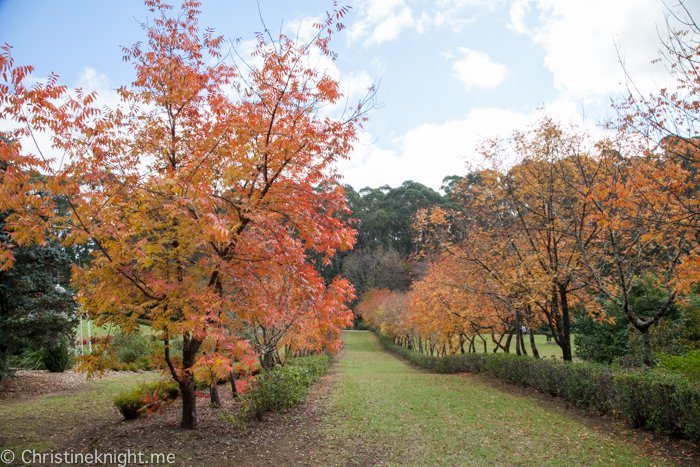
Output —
(55, 359)
(237, 421)
(129, 404)
(148, 397)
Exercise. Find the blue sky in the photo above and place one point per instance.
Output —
(451, 71)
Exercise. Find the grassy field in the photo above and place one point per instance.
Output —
(38, 422)
(395, 414)
(546, 349)
(103, 331)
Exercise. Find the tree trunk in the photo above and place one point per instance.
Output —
(566, 323)
(214, 394)
(189, 402)
(647, 355)
(185, 379)
(232, 378)
(506, 347)
(535, 353)
(268, 360)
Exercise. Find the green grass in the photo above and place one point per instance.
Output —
(546, 349)
(38, 423)
(394, 414)
(105, 330)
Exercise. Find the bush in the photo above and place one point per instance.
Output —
(148, 396)
(283, 386)
(131, 347)
(55, 359)
(602, 342)
(688, 365)
(129, 404)
(660, 401)
(652, 399)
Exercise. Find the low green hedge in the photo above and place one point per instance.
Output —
(652, 399)
(283, 386)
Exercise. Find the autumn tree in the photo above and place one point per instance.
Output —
(202, 173)
(643, 241)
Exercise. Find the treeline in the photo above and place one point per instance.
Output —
(594, 230)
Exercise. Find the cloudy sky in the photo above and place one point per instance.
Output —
(451, 71)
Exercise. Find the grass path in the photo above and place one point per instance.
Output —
(387, 412)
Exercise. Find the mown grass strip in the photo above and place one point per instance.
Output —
(388, 412)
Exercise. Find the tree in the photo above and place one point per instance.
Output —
(33, 304)
(384, 215)
(380, 269)
(185, 192)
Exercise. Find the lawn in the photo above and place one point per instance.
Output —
(398, 415)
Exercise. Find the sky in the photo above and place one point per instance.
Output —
(450, 72)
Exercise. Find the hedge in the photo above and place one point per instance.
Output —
(283, 386)
(665, 402)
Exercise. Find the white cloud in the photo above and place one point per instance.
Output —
(580, 39)
(91, 80)
(518, 9)
(476, 69)
(428, 153)
(380, 21)
(432, 151)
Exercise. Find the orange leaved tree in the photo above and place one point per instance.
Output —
(201, 177)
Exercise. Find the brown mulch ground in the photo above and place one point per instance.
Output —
(33, 383)
(280, 439)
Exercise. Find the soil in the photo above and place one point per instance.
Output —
(35, 383)
(280, 439)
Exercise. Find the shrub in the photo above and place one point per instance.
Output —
(602, 342)
(129, 404)
(660, 401)
(688, 365)
(131, 347)
(283, 386)
(148, 396)
(55, 359)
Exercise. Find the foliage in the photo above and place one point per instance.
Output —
(129, 404)
(129, 348)
(688, 365)
(601, 342)
(660, 401)
(32, 307)
(376, 269)
(55, 358)
(281, 387)
(385, 214)
(149, 397)
(650, 399)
